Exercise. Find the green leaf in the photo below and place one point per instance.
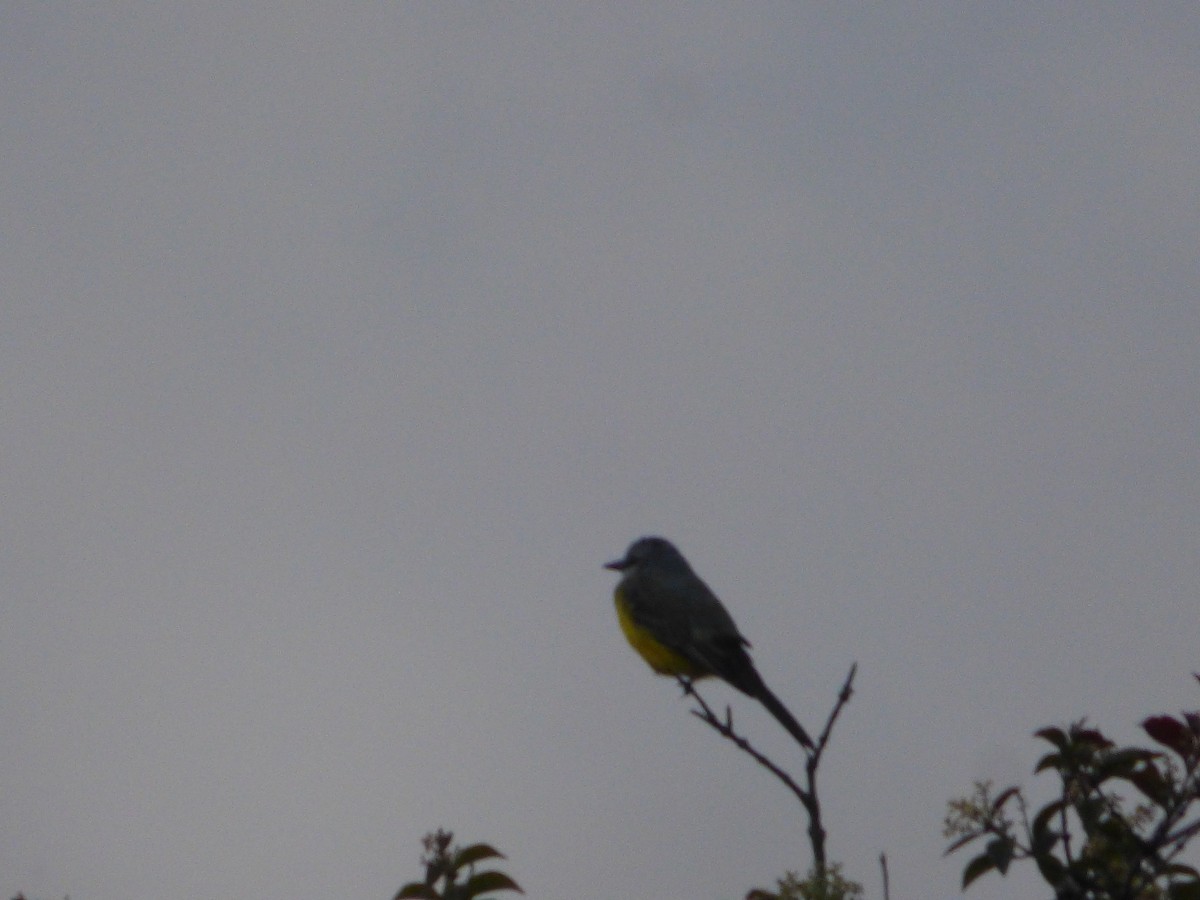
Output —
(1000, 851)
(489, 881)
(976, 867)
(1117, 830)
(1049, 761)
(1122, 763)
(1044, 837)
(1051, 868)
(417, 890)
(473, 854)
(1150, 782)
(1184, 890)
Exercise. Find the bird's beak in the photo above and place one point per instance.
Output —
(617, 565)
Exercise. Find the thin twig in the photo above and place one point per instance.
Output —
(725, 728)
(807, 796)
(1176, 841)
(844, 696)
(816, 831)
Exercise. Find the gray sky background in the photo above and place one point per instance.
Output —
(341, 345)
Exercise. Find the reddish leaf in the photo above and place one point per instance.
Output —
(1169, 732)
(1092, 737)
(1054, 736)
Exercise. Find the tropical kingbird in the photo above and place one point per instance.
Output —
(680, 628)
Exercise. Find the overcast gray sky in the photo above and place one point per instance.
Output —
(340, 345)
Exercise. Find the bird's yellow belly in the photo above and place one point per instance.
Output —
(660, 658)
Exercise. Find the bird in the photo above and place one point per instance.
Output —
(680, 628)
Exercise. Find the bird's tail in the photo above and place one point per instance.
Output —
(734, 665)
(779, 711)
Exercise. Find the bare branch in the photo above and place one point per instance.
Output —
(725, 729)
(844, 696)
(807, 796)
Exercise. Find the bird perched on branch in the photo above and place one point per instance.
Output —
(680, 628)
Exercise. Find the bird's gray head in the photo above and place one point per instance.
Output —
(654, 550)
